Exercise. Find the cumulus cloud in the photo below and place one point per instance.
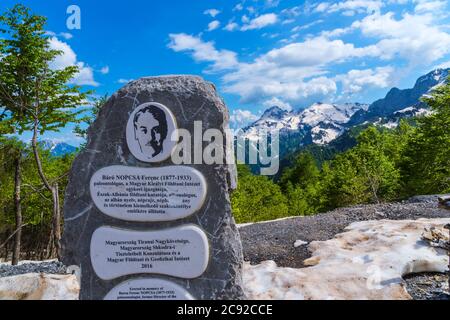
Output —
(104, 70)
(296, 72)
(417, 38)
(64, 35)
(292, 12)
(443, 65)
(85, 76)
(355, 81)
(231, 26)
(212, 12)
(241, 118)
(238, 7)
(275, 101)
(123, 81)
(260, 22)
(213, 25)
(350, 7)
(299, 72)
(429, 6)
(203, 51)
(306, 26)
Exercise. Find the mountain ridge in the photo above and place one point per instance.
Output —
(322, 123)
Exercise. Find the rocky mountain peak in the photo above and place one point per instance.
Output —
(274, 112)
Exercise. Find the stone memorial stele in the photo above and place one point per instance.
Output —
(138, 223)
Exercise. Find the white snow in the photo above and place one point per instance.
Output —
(391, 124)
(365, 262)
(323, 136)
(299, 243)
(318, 116)
(35, 286)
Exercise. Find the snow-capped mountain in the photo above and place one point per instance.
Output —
(397, 100)
(322, 123)
(57, 148)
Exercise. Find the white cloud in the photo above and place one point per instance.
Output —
(307, 26)
(277, 102)
(213, 25)
(85, 76)
(272, 3)
(123, 81)
(212, 12)
(429, 6)
(104, 70)
(351, 7)
(295, 72)
(203, 51)
(66, 35)
(443, 65)
(315, 52)
(355, 81)
(260, 22)
(288, 21)
(241, 118)
(231, 26)
(292, 12)
(238, 7)
(336, 32)
(417, 38)
(299, 73)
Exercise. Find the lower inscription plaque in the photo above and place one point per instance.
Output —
(180, 252)
(148, 289)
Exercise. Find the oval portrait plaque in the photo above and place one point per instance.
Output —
(148, 194)
(148, 289)
(179, 252)
(149, 132)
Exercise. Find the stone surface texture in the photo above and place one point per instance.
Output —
(190, 99)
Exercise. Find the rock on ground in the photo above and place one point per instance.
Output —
(367, 261)
(48, 267)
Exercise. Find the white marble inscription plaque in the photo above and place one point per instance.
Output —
(148, 194)
(180, 252)
(151, 132)
(148, 289)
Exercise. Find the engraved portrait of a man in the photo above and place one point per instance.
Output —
(150, 130)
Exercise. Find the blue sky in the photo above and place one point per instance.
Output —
(258, 52)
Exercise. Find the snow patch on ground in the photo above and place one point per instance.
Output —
(35, 286)
(299, 243)
(365, 262)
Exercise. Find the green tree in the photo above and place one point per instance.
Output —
(302, 185)
(257, 198)
(426, 167)
(12, 153)
(35, 97)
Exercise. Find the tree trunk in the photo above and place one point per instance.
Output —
(52, 188)
(18, 212)
(56, 220)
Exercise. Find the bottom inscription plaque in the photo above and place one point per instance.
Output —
(148, 289)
